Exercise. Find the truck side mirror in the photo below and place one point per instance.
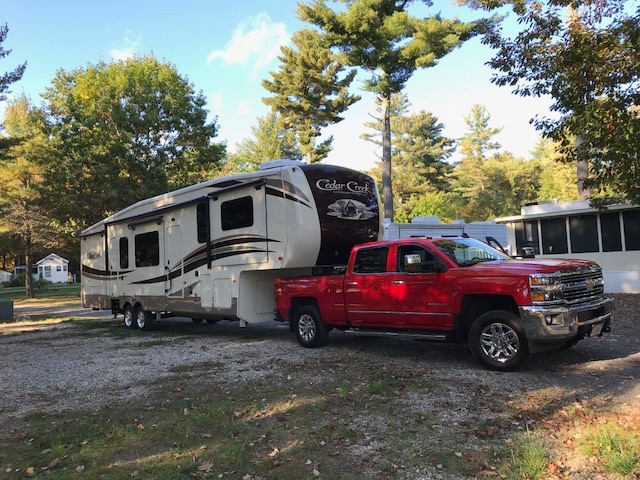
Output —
(528, 252)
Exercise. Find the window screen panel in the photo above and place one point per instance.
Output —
(610, 228)
(631, 220)
(583, 230)
(554, 236)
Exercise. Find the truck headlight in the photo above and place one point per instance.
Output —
(546, 288)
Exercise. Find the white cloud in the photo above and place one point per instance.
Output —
(215, 103)
(256, 40)
(129, 50)
(243, 108)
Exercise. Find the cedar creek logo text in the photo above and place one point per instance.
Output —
(330, 185)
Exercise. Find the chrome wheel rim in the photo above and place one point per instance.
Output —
(128, 317)
(306, 327)
(141, 318)
(499, 342)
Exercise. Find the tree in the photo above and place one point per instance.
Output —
(22, 207)
(308, 92)
(557, 179)
(12, 76)
(381, 37)
(120, 132)
(271, 141)
(585, 55)
(476, 146)
(419, 153)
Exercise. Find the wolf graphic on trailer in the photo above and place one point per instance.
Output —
(212, 251)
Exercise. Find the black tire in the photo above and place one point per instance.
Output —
(498, 342)
(144, 319)
(129, 314)
(310, 330)
(197, 320)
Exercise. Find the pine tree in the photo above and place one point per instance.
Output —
(309, 91)
(381, 37)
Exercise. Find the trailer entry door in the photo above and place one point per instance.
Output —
(239, 225)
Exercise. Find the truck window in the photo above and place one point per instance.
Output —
(425, 255)
(236, 213)
(124, 252)
(371, 260)
(201, 222)
(147, 249)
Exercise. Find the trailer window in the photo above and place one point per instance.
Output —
(124, 252)
(147, 249)
(371, 260)
(236, 213)
(202, 223)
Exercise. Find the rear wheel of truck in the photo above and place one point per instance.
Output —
(497, 340)
(129, 317)
(144, 319)
(310, 330)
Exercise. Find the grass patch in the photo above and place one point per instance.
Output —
(72, 292)
(617, 449)
(528, 458)
(206, 429)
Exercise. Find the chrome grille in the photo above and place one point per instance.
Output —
(582, 284)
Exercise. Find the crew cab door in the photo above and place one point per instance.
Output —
(367, 288)
(420, 293)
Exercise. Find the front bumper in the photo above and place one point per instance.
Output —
(549, 328)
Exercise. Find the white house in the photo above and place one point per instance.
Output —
(4, 276)
(53, 268)
(576, 230)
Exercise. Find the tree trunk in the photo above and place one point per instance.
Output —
(582, 166)
(28, 280)
(387, 189)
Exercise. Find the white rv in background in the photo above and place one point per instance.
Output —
(211, 251)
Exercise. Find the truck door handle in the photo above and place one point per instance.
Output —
(397, 282)
(352, 284)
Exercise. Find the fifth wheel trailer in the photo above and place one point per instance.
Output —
(212, 251)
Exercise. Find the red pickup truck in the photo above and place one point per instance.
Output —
(451, 289)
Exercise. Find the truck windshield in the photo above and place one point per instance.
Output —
(469, 251)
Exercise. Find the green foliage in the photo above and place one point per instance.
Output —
(6, 79)
(384, 39)
(42, 284)
(270, 141)
(528, 459)
(498, 184)
(419, 155)
(120, 132)
(476, 144)
(308, 91)
(617, 448)
(23, 208)
(585, 55)
(17, 280)
(444, 205)
(557, 179)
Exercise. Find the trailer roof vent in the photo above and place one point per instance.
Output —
(283, 162)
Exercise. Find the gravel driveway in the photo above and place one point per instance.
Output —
(56, 367)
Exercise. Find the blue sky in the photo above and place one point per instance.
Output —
(227, 48)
